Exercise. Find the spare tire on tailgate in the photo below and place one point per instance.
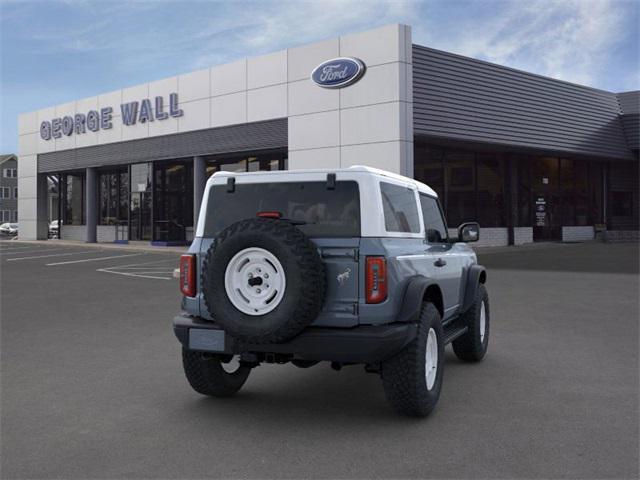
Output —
(263, 280)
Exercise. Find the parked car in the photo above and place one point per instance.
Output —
(54, 229)
(9, 229)
(350, 266)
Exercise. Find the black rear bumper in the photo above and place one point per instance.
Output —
(363, 344)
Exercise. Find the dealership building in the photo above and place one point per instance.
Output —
(530, 158)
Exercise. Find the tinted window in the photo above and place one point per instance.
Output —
(317, 211)
(400, 210)
(434, 226)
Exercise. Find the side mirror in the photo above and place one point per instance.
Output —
(469, 232)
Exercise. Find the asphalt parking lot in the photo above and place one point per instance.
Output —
(92, 385)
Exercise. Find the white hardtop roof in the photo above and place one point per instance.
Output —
(324, 171)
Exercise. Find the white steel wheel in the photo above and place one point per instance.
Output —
(431, 359)
(255, 281)
(232, 365)
(483, 321)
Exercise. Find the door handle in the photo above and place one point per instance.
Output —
(439, 263)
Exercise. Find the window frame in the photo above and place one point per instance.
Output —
(421, 233)
(442, 217)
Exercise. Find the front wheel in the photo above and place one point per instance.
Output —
(472, 346)
(412, 379)
(209, 375)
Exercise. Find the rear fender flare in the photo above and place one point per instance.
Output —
(414, 297)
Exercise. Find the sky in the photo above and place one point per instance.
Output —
(55, 51)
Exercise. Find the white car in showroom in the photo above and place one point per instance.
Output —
(9, 229)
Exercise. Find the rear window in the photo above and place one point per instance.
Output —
(316, 210)
(400, 209)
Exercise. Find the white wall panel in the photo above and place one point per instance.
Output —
(306, 97)
(372, 123)
(113, 134)
(314, 130)
(266, 103)
(162, 88)
(86, 139)
(380, 84)
(196, 115)
(27, 166)
(316, 158)
(387, 156)
(131, 132)
(229, 78)
(111, 99)
(303, 59)
(131, 94)
(28, 123)
(374, 47)
(91, 103)
(194, 85)
(163, 127)
(28, 144)
(267, 70)
(229, 109)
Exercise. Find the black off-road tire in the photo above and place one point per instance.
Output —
(304, 363)
(305, 280)
(207, 376)
(403, 376)
(470, 347)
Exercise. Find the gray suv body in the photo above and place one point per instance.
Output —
(350, 266)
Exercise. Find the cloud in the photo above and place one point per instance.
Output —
(569, 40)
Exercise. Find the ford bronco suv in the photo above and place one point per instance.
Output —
(350, 266)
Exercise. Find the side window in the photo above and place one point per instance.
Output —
(434, 225)
(400, 209)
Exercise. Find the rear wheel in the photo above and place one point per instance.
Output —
(209, 375)
(412, 379)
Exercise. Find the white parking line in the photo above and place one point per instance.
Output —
(38, 250)
(52, 255)
(92, 259)
(142, 270)
(16, 249)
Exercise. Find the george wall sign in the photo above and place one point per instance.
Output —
(94, 120)
(338, 72)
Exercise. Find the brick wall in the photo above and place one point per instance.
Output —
(613, 236)
(577, 234)
(489, 237)
(74, 232)
(522, 235)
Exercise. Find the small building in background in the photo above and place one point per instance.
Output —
(9, 188)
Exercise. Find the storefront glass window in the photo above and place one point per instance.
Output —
(460, 187)
(596, 189)
(523, 165)
(173, 201)
(73, 201)
(263, 162)
(491, 199)
(428, 168)
(113, 197)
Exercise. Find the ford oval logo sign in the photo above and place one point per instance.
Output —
(338, 73)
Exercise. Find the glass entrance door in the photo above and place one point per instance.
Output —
(140, 214)
(140, 220)
(546, 201)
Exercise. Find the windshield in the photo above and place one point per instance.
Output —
(316, 210)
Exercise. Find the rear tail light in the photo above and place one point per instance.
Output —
(275, 215)
(376, 279)
(188, 275)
